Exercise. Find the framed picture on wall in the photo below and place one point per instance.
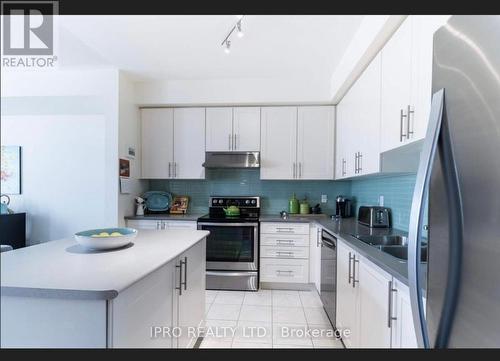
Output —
(124, 168)
(10, 173)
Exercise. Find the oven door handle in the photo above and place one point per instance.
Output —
(230, 274)
(222, 224)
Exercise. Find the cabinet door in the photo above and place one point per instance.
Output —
(219, 135)
(315, 256)
(147, 303)
(279, 143)
(189, 143)
(396, 85)
(403, 330)
(246, 129)
(157, 127)
(315, 142)
(191, 298)
(347, 299)
(374, 292)
(424, 27)
(368, 119)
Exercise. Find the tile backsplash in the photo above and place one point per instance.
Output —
(240, 182)
(397, 191)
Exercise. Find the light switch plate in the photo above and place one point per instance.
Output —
(381, 200)
(324, 198)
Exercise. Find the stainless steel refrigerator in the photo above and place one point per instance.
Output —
(459, 173)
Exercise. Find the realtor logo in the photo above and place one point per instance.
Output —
(28, 33)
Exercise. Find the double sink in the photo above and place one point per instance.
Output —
(394, 245)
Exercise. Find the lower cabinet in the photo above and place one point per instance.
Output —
(160, 224)
(284, 252)
(171, 298)
(371, 304)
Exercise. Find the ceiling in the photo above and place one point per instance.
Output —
(189, 47)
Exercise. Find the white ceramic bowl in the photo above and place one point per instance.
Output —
(86, 240)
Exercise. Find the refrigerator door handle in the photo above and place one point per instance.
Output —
(416, 215)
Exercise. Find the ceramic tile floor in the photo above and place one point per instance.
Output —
(267, 319)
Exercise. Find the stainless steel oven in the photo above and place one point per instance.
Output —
(233, 244)
(328, 293)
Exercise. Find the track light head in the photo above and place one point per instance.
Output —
(240, 32)
(227, 49)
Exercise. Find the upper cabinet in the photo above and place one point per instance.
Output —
(279, 143)
(297, 142)
(407, 81)
(315, 142)
(173, 143)
(358, 126)
(233, 129)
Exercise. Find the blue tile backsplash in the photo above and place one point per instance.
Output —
(397, 191)
(240, 182)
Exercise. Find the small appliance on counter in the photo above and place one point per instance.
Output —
(374, 216)
(304, 207)
(342, 207)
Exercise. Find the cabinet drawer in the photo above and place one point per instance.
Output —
(289, 240)
(144, 224)
(285, 228)
(181, 225)
(284, 270)
(284, 252)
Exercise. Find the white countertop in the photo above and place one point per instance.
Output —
(63, 269)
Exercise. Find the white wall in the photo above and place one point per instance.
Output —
(67, 125)
(371, 36)
(129, 135)
(259, 91)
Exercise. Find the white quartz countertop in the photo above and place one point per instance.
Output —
(63, 269)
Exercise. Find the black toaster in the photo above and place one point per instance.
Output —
(374, 216)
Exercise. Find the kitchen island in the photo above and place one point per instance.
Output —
(57, 294)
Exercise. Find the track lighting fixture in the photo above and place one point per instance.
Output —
(226, 43)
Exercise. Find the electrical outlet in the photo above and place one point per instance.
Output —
(324, 198)
(381, 200)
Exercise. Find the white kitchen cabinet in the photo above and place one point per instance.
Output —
(233, 129)
(219, 133)
(297, 143)
(189, 305)
(315, 142)
(173, 143)
(315, 256)
(403, 330)
(189, 143)
(145, 304)
(347, 296)
(279, 143)
(375, 292)
(396, 86)
(157, 128)
(246, 129)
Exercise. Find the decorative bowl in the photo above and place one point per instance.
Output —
(105, 238)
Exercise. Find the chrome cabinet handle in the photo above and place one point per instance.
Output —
(185, 262)
(356, 161)
(235, 144)
(343, 166)
(289, 254)
(409, 115)
(294, 170)
(286, 241)
(284, 229)
(402, 117)
(300, 169)
(175, 169)
(360, 162)
(390, 317)
(287, 273)
(350, 269)
(169, 169)
(354, 280)
(179, 266)
(158, 225)
(229, 141)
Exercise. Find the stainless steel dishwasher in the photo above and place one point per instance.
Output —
(328, 291)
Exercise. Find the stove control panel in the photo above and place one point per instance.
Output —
(246, 202)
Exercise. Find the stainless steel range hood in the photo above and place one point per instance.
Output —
(232, 160)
